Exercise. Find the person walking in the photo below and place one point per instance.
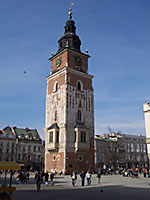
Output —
(46, 178)
(82, 175)
(38, 180)
(51, 178)
(74, 178)
(42, 176)
(99, 176)
(88, 178)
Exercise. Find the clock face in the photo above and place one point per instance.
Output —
(78, 60)
(58, 61)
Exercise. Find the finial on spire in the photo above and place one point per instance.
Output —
(70, 12)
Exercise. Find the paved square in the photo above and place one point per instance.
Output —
(113, 187)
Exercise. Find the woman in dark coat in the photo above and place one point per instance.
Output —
(46, 178)
(38, 180)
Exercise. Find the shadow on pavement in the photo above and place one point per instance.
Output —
(91, 193)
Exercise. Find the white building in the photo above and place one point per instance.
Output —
(124, 150)
(23, 146)
(146, 108)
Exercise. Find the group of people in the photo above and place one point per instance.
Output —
(22, 177)
(39, 178)
(47, 178)
(134, 172)
(84, 176)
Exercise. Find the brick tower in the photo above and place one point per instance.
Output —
(69, 128)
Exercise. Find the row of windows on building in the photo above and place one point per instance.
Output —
(137, 157)
(29, 148)
(22, 157)
(7, 151)
(82, 136)
(9, 144)
(133, 147)
(79, 116)
(7, 159)
(29, 157)
(79, 86)
(21, 148)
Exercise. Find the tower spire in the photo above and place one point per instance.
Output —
(70, 39)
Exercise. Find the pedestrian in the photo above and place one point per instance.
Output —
(42, 175)
(28, 176)
(99, 176)
(51, 178)
(88, 178)
(144, 172)
(38, 180)
(82, 175)
(74, 178)
(46, 178)
(18, 178)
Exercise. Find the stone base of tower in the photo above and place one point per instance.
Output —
(80, 161)
(54, 162)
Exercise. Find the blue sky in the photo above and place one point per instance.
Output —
(117, 35)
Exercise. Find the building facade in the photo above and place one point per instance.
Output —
(23, 146)
(146, 108)
(127, 151)
(69, 128)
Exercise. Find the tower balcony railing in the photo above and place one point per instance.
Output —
(52, 146)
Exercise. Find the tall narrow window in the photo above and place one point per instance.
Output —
(56, 87)
(51, 137)
(79, 86)
(79, 116)
(55, 116)
(75, 136)
(34, 148)
(57, 136)
(83, 136)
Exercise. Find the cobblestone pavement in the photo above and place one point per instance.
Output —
(114, 187)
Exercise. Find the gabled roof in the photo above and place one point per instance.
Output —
(20, 132)
(79, 125)
(55, 125)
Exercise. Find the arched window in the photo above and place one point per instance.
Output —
(56, 87)
(79, 115)
(79, 85)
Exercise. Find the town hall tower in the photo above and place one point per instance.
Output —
(69, 128)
